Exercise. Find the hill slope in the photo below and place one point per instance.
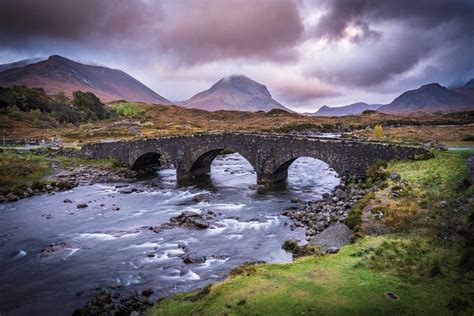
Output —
(351, 109)
(59, 74)
(20, 63)
(236, 92)
(430, 98)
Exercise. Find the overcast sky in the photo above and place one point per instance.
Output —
(307, 52)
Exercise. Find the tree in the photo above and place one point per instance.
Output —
(378, 131)
(89, 106)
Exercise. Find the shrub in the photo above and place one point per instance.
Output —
(415, 258)
(300, 251)
(378, 131)
(127, 109)
(354, 218)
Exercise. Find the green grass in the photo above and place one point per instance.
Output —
(18, 169)
(443, 176)
(127, 109)
(423, 265)
(329, 285)
(21, 168)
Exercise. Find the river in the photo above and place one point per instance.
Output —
(107, 248)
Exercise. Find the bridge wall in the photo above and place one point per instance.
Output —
(269, 155)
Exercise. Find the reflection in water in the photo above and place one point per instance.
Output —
(100, 247)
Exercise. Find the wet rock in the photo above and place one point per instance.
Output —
(200, 223)
(81, 206)
(11, 197)
(47, 216)
(190, 220)
(336, 235)
(147, 292)
(200, 198)
(394, 176)
(193, 259)
(67, 201)
(332, 250)
(295, 200)
(340, 194)
(128, 190)
(54, 248)
(319, 226)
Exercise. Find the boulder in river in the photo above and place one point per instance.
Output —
(189, 258)
(201, 198)
(190, 219)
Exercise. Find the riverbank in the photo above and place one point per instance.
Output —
(413, 256)
(44, 171)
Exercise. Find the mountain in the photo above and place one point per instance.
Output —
(19, 63)
(431, 98)
(236, 92)
(469, 84)
(59, 74)
(351, 109)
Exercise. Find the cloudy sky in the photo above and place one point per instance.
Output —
(308, 52)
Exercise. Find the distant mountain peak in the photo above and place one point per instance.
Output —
(469, 84)
(351, 109)
(431, 85)
(60, 74)
(235, 92)
(431, 97)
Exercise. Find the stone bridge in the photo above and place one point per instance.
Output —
(269, 154)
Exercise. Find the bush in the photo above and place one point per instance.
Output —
(376, 172)
(378, 131)
(33, 102)
(127, 109)
(415, 258)
(354, 218)
(300, 251)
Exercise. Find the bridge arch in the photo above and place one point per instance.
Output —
(202, 160)
(147, 160)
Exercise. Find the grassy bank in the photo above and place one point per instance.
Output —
(27, 168)
(421, 257)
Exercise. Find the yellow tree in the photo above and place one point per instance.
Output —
(378, 131)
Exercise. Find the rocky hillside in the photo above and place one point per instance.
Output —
(235, 92)
(431, 98)
(351, 109)
(59, 74)
(20, 63)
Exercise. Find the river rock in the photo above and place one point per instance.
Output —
(81, 206)
(332, 250)
(11, 197)
(394, 176)
(201, 198)
(147, 292)
(128, 190)
(340, 194)
(54, 248)
(189, 258)
(191, 220)
(336, 235)
(295, 200)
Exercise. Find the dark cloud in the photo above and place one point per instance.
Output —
(22, 21)
(421, 14)
(207, 30)
(425, 29)
(189, 31)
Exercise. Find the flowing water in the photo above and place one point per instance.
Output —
(104, 248)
